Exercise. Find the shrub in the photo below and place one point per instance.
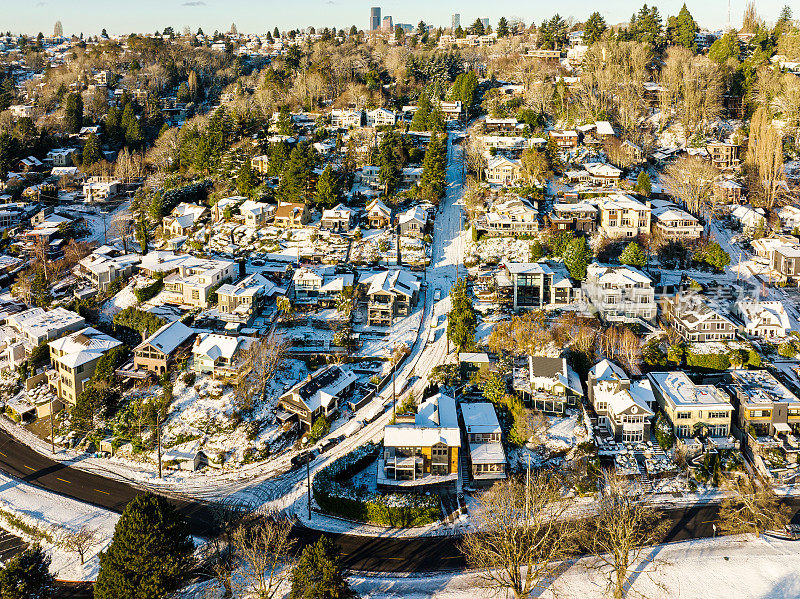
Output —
(708, 361)
(663, 432)
(337, 498)
(146, 293)
(319, 429)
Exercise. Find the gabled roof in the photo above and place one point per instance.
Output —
(83, 346)
(436, 422)
(394, 282)
(169, 337)
(216, 346)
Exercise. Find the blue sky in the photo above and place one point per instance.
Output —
(90, 16)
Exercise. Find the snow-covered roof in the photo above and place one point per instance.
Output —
(619, 400)
(38, 323)
(216, 346)
(168, 337)
(620, 201)
(606, 370)
(756, 314)
(604, 128)
(617, 275)
(398, 281)
(480, 418)
(487, 453)
(436, 422)
(83, 346)
(324, 385)
(680, 392)
(416, 213)
(377, 206)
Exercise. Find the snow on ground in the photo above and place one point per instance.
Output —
(498, 249)
(404, 331)
(55, 513)
(124, 299)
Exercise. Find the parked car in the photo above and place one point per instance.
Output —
(306, 456)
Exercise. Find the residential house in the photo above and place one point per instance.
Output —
(476, 366)
(620, 293)
(767, 320)
(602, 174)
(604, 130)
(319, 395)
(292, 215)
(378, 214)
(223, 204)
(696, 320)
(256, 214)
(410, 176)
(36, 326)
(101, 268)
(565, 140)
(724, 156)
(503, 171)
(183, 218)
(486, 456)
(381, 117)
(413, 221)
(196, 278)
(507, 144)
(344, 119)
(692, 409)
(157, 353)
(764, 406)
(61, 157)
(623, 216)
(790, 217)
(241, 302)
(389, 294)
(100, 189)
(509, 216)
(673, 224)
(221, 356)
(623, 407)
(260, 164)
(74, 358)
(727, 192)
(422, 450)
(451, 110)
(500, 125)
(547, 384)
(580, 217)
(319, 286)
(541, 284)
(338, 219)
(749, 218)
(786, 262)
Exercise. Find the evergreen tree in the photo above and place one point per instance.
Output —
(577, 256)
(643, 184)
(725, 48)
(433, 170)
(285, 125)
(295, 185)
(319, 574)
(461, 321)
(246, 179)
(502, 27)
(422, 115)
(390, 162)
(477, 28)
(681, 30)
(594, 28)
(150, 552)
(8, 148)
(73, 113)
(278, 155)
(633, 255)
(713, 255)
(552, 153)
(27, 576)
(327, 194)
(113, 125)
(40, 293)
(91, 151)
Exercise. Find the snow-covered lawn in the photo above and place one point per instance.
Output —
(497, 249)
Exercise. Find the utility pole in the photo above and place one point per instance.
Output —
(394, 395)
(52, 427)
(158, 431)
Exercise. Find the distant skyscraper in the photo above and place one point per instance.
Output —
(485, 21)
(455, 22)
(388, 25)
(374, 18)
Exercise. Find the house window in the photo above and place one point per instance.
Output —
(195, 294)
(717, 415)
(683, 415)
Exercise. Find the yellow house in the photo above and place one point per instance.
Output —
(422, 449)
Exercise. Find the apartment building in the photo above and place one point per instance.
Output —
(620, 293)
(724, 156)
(486, 455)
(623, 216)
(320, 394)
(74, 358)
(541, 284)
(421, 451)
(623, 407)
(692, 409)
(696, 320)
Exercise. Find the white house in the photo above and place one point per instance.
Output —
(620, 293)
(344, 119)
(763, 319)
(381, 116)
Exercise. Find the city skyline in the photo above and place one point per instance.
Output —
(91, 16)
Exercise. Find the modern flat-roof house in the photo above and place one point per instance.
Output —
(157, 352)
(74, 359)
(696, 320)
(786, 262)
(692, 409)
(320, 394)
(390, 294)
(102, 269)
(541, 284)
(195, 278)
(623, 407)
(623, 216)
(768, 320)
(673, 223)
(292, 215)
(422, 450)
(764, 406)
(547, 384)
(35, 326)
(581, 217)
(338, 219)
(221, 356)
(99, 189)
(620, 293)
(486, 455)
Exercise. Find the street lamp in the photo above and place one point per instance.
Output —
(308, 474)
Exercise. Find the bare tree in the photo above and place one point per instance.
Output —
(522, 335)
(122, 225)
(624, 526)
(690, 180)
(79, 541)
(521, 535)
(226, 518)
(764, 158)
(258, 365)
(751, 507)
(264, 550)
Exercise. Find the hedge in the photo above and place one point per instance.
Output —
(146, 293)
(334, 496)
(708, 361)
